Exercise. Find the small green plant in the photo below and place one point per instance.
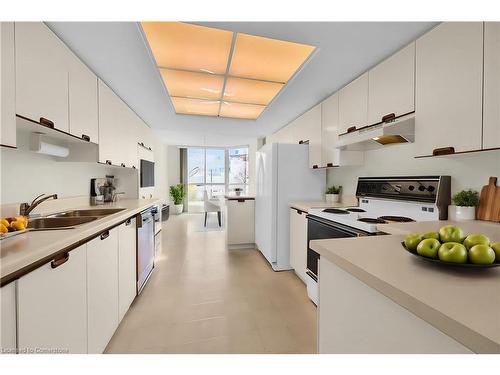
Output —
(334, 189)
(466, 198)
(177, 193)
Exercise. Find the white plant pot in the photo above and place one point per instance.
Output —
(461, 213)
(332, 198)
(178, 208)
(336, 198)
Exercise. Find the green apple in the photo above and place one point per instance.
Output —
(476, 239)
(451, 233)
(429, 248)
(434, 235)
(496, 248)
(453, 252)
(481, 254)
(412, 240)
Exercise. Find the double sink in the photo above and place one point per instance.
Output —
(70, 219)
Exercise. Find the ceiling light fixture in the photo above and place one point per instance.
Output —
(213, 72)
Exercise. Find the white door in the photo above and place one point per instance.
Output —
(265, 214)
(298, 242)
(8, 321)
(52, 305)
(102, 289)
(391, 86)
(353, 104)
(491, 119)
(83, 104)
(41, 74)
(7, 85)
(448, 101)
(127, 271)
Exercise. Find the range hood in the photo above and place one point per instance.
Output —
(397, 131)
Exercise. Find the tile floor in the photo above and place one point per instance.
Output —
(202, 298)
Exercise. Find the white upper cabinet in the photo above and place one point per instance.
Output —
(83, 104)
(353, 104)
(448, 102)
(312, 127)
(391, 86)
(491, 117)
(7, 85)
(52, 305)
(41, 75)
(329, 131)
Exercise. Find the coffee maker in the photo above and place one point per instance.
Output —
(102, 190)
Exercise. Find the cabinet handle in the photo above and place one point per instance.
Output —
(133, 167)
(142, 144)
(85, 137)
(105, 235)
(128, 222)
(149, 148)
(351, 129)
(122, 164)
(241, 200)
(329, 164)
(59, 260)
(389, 117)
(108, 162)
(46, 122)
(443, 151)
(315, 166)
(300, 142)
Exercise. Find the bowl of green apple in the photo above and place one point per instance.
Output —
(451, 247)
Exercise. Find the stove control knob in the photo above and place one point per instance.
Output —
(411, 187)
(421, 188)
(430, 188)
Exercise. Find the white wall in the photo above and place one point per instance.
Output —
(25, 174)
(466, 171)
(161, 173)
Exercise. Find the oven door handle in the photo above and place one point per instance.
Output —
(335, 226)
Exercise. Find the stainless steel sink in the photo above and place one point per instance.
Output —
(49, 223)
(97, 212)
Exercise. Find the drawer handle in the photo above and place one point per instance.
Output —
(122, 164)
(46, 122)
(142, 144)
(443, 151)
(85, 137)
(351, 129)
(128, 222)
(315, 166)
(108, 162)
(329, 165)
(389, 117)
(59, 261)
(133, 167)
(105, 235)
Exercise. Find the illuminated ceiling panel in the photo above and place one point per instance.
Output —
(202, 77)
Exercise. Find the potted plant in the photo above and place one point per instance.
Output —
(178, 194)
(465, 203)
(333, 194)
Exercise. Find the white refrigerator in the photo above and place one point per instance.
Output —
(283, 176)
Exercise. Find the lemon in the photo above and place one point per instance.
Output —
(3, 228)
(4, 222)
(18, 225)
(24, 219)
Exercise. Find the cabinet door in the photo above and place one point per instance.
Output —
(391, 86)
(491, 119)
(102, 290)
(298, 242)
(52, 305)
(313, 128)
(109, 114)
(127, 255)
(448, 108)
(353, 104)
(8, 318)
(329, 131)
(41, 74)
(240, 222)
(83, 105)
(7, 85)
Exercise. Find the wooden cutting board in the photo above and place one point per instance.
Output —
(489, 201)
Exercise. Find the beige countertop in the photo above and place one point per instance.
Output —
(235, 197)
(21, 252)
(307, 205)
(462, 303)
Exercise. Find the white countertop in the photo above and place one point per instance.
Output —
(463, 303)
(22, 251)
(307, 205)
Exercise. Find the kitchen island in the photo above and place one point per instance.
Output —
(377, 298)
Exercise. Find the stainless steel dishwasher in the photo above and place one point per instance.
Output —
(145, 247)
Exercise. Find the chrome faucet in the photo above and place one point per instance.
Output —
(26, 208)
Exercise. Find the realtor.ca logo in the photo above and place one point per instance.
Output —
(34, 351)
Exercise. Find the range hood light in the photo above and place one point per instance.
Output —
(42, 147)
(390, 139)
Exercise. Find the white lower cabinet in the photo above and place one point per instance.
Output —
(298, 242)
(102, 289)
(127, 234)
(52, 306)
(240, 219)
(8, 342)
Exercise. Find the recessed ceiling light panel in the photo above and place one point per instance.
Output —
(199, 107)
(251, 91)
(240, 110)
(192, 84)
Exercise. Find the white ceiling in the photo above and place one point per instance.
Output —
(117, 52)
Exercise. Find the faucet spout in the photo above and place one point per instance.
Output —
(26, 208)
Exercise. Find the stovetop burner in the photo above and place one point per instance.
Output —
(397, 219)
(355, 210)
(371, 220)
(335, 211)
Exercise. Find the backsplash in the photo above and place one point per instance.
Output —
(466, 171)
